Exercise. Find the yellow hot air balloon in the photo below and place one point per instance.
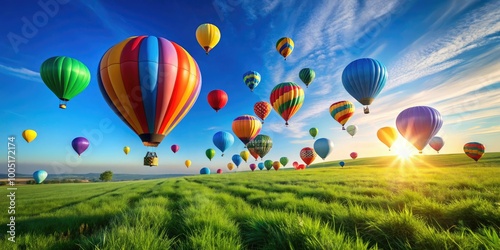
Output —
(245, 154)
(208, 35)
(187, 163)
(387, 135)
(126, 150)
(230, 166)
(29, 135)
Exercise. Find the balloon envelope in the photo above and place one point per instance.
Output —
(230, 166)
(244, 155)
(187, 163)
(29, 135)
(207, 35)
(126, 150)
(284, 46)
(246, 128)
(80, 144)
(237, 159)
(284, 161)
(387, 135)
(276, 165)
(354, 155)
(223, 140)
(436, 143)
(295, 164)
(251, 79)
(210, 153)
(418, 125)
(268, 164)
(175, 148)
(307, 155)
(205, 170)
(287, 98)
(261, 165)
(474, 150)
(323, 147)
(342, 111)
(352, 129)
(217, 99)
(262, 110)
(253, 166)
(313, 132)
(39, 176)
(307, 75)
(219, 171)
(261, 145)
(342, 163)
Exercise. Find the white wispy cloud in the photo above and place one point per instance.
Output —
(23, 73)
(477, 130)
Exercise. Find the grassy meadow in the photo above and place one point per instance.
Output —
(435, 202)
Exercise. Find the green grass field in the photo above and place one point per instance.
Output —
(438, 202)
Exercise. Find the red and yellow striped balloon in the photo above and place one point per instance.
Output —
(150, 83)
(474, 150)
(342, 111)
(287, 98)
(246, 128)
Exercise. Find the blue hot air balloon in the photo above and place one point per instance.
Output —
(205, 170)
(363, 79)
(323, 147)
(223, 140)
(342, 163)
(261, 165)
(237, 160)
(39, 176)
(418, 125)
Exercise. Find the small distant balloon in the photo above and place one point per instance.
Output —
(313, 132)
(387, 135)
(29, 135)
(126, 150)
(342, 163)
(39, 176)
(237, 159)
(342, 111)
(284, 46)
(352, 129)
(187, 163)
(276, 165)
(323, 147)
(307, 75)
(354, 155)
(217, 99)
(253, 166)
(223, 140)
(210, 153)
(474, 150)
(80, 144)
(284, 161)
(436, 143)
(230, 166)
(207, 35)
(262, 110)
(268, 164)
(295, 164)
(307, 155)
(244, 155)
(219, 171)
(175, 148)
(251, 79)
(205, 170)
(261, 165)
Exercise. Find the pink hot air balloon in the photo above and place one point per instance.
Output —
(219, 171)
(436, 143)
(175, 148)
(80, 144)
(301, 166)
(295, 164)
(253, 166)
(418, 125)
(354, 155)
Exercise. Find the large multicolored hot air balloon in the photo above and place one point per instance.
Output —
(230, 166)
(436, 143)
(313, 132)
(363, 79)
(284, 161)
(307, 155)
(210, 153)
(205, 170)
(286, 99)
(352, 129)
(151, 83)
(207, 35)
(187, 163)
(40, 176)
(418, 125)
(126, 150)
(268, 164)
(237, 159)
(66, 77)
(29, 135)
(80, 144)
(246, 128)
(474, 150)
(175, 148)
(262, 110)
(261, 145)
(342, 111)
(284, 46)
(354, 155)
(223, 140)
(244, 155)
(307, 75)
(387, 135)
(251, 79)
(217, 99)
(253, 166)
(323, 147)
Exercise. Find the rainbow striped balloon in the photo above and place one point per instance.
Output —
(246, 128)
(342, 111)
(150, 83)
(285, 46)
(287, 98)
(474, 150)
(251, 79)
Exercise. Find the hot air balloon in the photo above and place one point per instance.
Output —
(363, 79)
(276, 165)
(39, 176)
(253, 166)
(219, 171)
(217, 99)
(210, 153)
(307, 155)
(80, 144)
(307, 75)
(301, 166)
(205, 170)
(268, 164)
(126, 150)
(262, 110)
(261, 165)
(354, 155)
(230, 166)
(342, 111)
(29, 135)
(187, 163)
(237, 159)
(284, 46)
(208, 35)
(286, 99)
(223, 140)
(418, 125)
(261, 145)
(313, 132)
(251, 79)
(436, 143)
(352, 129)
(253, 151)
(388, 136)
(341, 164)
(151, 84)
(66, 77)
(246, 128)
(244, 155)
(284, 161)
(474, 150)
(323, 147)
(175, 148)
(295, 164)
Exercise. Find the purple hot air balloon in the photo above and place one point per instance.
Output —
(80, 144)
(253, 166)
(418, 125)
(175, 148)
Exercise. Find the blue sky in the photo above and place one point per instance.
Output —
(443, 54)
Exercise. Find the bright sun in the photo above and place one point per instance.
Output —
(404, 151)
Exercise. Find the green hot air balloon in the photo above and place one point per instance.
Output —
(284, 161)
(65, 76)
(210, 153)
(313, 132)
(268, 164)
(307, 75)
(261, 145)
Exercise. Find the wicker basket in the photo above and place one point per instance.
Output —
(151, 159)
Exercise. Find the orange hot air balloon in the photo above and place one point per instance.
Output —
(230, 166)
(307, 155)
(276, 165)
(246, 128)
(262, 110)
